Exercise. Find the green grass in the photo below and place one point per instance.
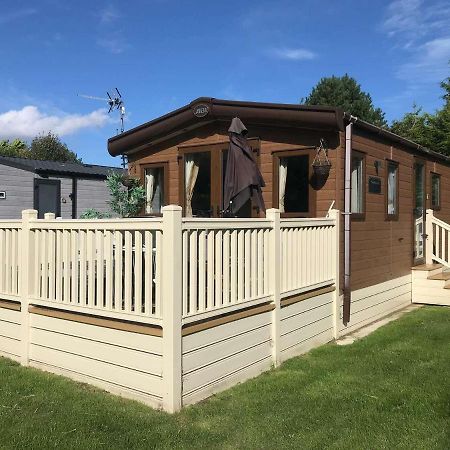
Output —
(389, 390)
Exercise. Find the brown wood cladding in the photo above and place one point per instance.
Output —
(381, 249)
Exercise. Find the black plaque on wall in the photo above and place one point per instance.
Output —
(374, 185)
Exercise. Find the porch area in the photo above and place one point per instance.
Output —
(167, 310)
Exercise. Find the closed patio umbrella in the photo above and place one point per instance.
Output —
(243, 180)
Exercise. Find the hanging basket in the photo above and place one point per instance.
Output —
(321, 164)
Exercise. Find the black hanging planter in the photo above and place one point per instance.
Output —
(321, 164)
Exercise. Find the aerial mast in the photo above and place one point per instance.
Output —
(115, 103)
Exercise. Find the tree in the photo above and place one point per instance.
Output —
(15, 148)
(127, 194)
(49, 147)
(415, 126)
(344, 92)
(429, 130)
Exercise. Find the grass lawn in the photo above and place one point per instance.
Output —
(389, 390)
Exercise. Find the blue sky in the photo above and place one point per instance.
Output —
(162, 54)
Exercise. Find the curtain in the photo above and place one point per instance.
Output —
(282, 183)
(150, 183)
(190, 176)
(391, 192)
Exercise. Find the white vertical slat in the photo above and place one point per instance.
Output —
(138, 272)
(74, 235)
(91, 256)
(100, 264)
(210, 270)
(234, 264)
(128, 266)
(193, 272)
(201, 271)
(158, 272)
(185, 275)
(149, 273)
(2, 260)
(14, 255)
(59, 272)
(247, 264)
(260, 261)
(118, 270)
(83, 273)
(66, 262)
(109, 274)
(44, 262)
(438, 241)
(240, 265)
(267, 287)
(254, 263)
(226, 267)
(51, 246)
(218, 272)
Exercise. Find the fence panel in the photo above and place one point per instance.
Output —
(9, 258)
(225, 264)
(307, 254)
(110, 265)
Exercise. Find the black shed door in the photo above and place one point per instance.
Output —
(47, 196)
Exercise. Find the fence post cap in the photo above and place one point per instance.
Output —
(50, 216)
(29, 214)
(171, 208)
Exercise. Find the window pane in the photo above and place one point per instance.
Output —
(419, 169)
(294, 184)
(154, 190)
(357, 187)
(435, 190)
(198, 184)
(392, 189)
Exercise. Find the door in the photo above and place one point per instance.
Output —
(419, 212)
(47, 196)
(202, 173)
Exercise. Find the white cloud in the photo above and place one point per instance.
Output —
(114, 44)
(429, 64)
(293, 54)
(109, 14)
(29, 122)
(16, 15)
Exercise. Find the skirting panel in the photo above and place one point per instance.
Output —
(119, 361)
(218, 358)
(10, 333)
(374, 302)
(306, 324)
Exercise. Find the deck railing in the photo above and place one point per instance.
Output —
(438, 240)
(9, 258)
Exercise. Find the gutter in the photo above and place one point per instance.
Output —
(347, 218)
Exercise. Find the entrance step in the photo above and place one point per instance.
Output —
(430, 284)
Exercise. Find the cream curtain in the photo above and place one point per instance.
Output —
(391, 192)
(190, 175)
(282, 177)
(150, 184)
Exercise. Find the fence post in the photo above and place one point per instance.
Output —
(26, 262)
(275, 281)
(172, 267)
(336, 215)
(429, 243)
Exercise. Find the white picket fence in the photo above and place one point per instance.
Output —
(438, 240)
(167, 273)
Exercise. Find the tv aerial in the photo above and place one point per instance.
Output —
(115, 103)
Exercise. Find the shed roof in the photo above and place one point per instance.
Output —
(59, 168)
(192, 116)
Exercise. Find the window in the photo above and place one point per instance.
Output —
(435, 191)
(155, 189)
(357, 200)
(292, 191)
(391, 190)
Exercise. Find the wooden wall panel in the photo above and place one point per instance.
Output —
(10, 333)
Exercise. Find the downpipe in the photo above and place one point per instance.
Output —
(347, 219)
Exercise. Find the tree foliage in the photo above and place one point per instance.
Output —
(15, 148)
(429, 130)
(127, 194)
(344, 92)
(49, 147)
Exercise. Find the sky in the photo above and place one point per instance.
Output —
(162, 54)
